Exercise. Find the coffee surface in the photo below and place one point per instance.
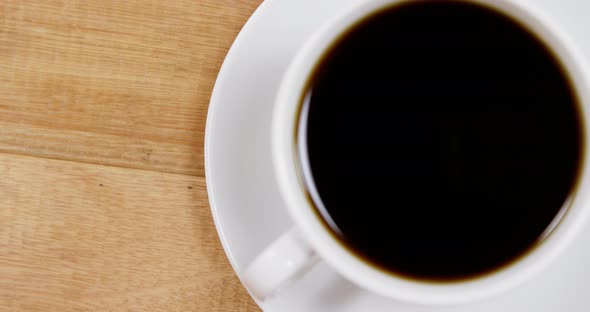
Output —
(442, 139)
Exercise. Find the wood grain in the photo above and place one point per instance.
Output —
(122, 83)
(83, 237)
(103, 205)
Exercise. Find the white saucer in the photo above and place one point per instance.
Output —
(248, 211)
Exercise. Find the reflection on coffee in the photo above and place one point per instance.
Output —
(440, 140)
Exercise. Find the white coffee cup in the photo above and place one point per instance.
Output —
(292, 254)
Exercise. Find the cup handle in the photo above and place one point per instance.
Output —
(285, 260)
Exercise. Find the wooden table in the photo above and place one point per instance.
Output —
(103, 205)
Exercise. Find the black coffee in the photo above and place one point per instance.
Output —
(442, 139)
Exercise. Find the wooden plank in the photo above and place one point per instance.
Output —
(84, 237)
(123, 83)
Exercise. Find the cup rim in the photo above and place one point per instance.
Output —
(292, 188)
